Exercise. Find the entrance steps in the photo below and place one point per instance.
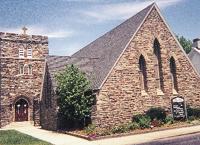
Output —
(15, 125)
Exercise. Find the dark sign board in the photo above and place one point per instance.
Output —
(178, 108)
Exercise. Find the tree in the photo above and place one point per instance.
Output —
(74, 100)
(185, 43)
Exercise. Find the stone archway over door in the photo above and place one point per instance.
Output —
(21, 110)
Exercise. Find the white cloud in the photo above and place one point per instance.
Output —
(123, 10)
(38, 30)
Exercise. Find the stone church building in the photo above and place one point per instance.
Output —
(135, 66)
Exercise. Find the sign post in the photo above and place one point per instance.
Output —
(179, 111)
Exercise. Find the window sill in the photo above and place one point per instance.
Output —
(175, 93)
(144, 93)
(24, 75)
(19, 74)
(159, 92)
(25, 57)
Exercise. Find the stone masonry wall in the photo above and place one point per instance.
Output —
(48, 104)
(121, 97)
(14, 85)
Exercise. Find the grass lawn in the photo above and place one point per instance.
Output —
(12, 137)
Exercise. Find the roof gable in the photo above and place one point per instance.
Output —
(99, 57)
(110, 46)
(148, 12)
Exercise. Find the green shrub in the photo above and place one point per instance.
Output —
(75, 97)
(142, 120)
(156, 113)
(156, 123)
(104, 132)
(169, 120)
(125, 127)
(119, 129)
(193, 112)
(132, 126)
(191, 118)
(90, 129)
(136, 118)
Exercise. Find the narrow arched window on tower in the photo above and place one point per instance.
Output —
(30, 69)
(21, 68)
(21, 52)
(29, 52)
(158, 66)
(173, 75)
(25, 69)
(143, 73)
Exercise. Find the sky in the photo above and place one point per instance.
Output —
(72, 24)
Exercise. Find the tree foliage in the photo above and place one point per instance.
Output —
(72, 88)
(185, 43)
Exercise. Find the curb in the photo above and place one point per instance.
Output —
(173, 136)
(130, 133)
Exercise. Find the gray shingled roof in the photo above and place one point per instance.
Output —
(194, 56)
(58, 63)
(105, 50)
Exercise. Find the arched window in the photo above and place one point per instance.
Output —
(21, 52)
(173, 74)
(26, 69)
(159, 72)
(143, 73)
(29, 52)
(30, 69)
(21, 68)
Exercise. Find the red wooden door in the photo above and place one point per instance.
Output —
(21, 110)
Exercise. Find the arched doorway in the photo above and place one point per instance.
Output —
(21, 110)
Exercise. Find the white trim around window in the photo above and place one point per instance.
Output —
(21, 52)
(29, 52)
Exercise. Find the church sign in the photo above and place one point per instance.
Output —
(178, 108)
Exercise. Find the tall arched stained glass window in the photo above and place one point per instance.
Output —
(158, 65)
(143, 73)
(173, 74)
